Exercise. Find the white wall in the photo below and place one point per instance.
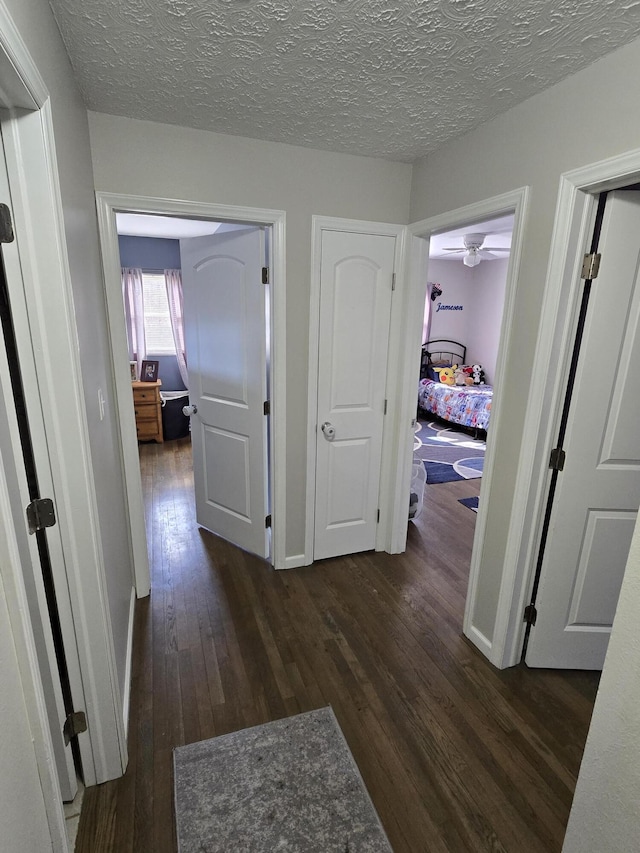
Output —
(486, 305)
(456, 281)
(480, 292)
(533, 144)
(150, 159)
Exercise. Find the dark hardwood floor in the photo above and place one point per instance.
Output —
(456, 755)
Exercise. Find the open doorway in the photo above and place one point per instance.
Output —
(467, 276)
(466, 221)
(196, 301)
(108, 207)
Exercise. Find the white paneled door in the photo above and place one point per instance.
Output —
(598, 491)
(225, 338)
(356, 275)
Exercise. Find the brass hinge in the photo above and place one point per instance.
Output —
(557, 459)
(393, 282)
(267, 521)
(75, 724)
(530, 614)
(6, 225)
(40, 514)
(590, 266)
(266, 407)
(265, 275)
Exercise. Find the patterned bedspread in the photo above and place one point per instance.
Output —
(468, 405)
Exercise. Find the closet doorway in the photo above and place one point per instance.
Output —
(230, 313)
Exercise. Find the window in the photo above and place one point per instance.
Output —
(157, 320)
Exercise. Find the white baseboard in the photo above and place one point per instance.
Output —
(480, 641)
(294, 562)
(126, 699)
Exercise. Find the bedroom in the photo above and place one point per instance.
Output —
(467, 274)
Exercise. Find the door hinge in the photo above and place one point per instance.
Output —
(393, 282)
(530, 614)
(591, 265)
(40, 514)
(267, 521)
(266, 407)
(75, 724)
(557, 459)
(378, 517)
(265, 275)
(386, 403)
(6, 225)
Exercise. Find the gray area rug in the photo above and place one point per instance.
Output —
(291, 785)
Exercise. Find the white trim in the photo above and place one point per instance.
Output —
(515, 201)
(22, 83)
(295, 561)
(107, 205)
(572, 230)
(126, 699)
(412, 312)
(480, 641)
(387, 503)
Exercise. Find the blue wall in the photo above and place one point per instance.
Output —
(149, 253)
(153, 253)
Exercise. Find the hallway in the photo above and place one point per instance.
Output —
(456, 755)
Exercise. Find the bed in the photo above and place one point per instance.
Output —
(466, 405)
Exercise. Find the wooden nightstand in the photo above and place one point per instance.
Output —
(148, 409)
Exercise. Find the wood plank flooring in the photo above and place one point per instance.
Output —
(456, 755)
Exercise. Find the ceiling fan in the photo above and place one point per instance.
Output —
(473, 251)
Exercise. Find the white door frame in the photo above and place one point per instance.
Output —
(387, 497)
(515, 202)
(575, 214)
(108, 204)
(32, 170)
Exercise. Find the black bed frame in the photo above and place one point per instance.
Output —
(433, 353)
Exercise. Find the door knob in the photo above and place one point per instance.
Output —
(329, 430)
(189, 410)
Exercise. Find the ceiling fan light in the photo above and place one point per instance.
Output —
(472, 258)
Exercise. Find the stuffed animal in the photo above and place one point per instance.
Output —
(478, 374)
(467, 375)
(447, 374)
(460, 376)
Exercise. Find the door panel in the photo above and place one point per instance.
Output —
(39, 555)
(225, 335)
(355, 307)
(598, 491)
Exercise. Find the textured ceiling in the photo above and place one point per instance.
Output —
(389, 78)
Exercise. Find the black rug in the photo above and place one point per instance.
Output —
(448, 454)
(472, 503)
(290, 786)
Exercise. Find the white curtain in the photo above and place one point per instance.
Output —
(134, 314)
(173, 279)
